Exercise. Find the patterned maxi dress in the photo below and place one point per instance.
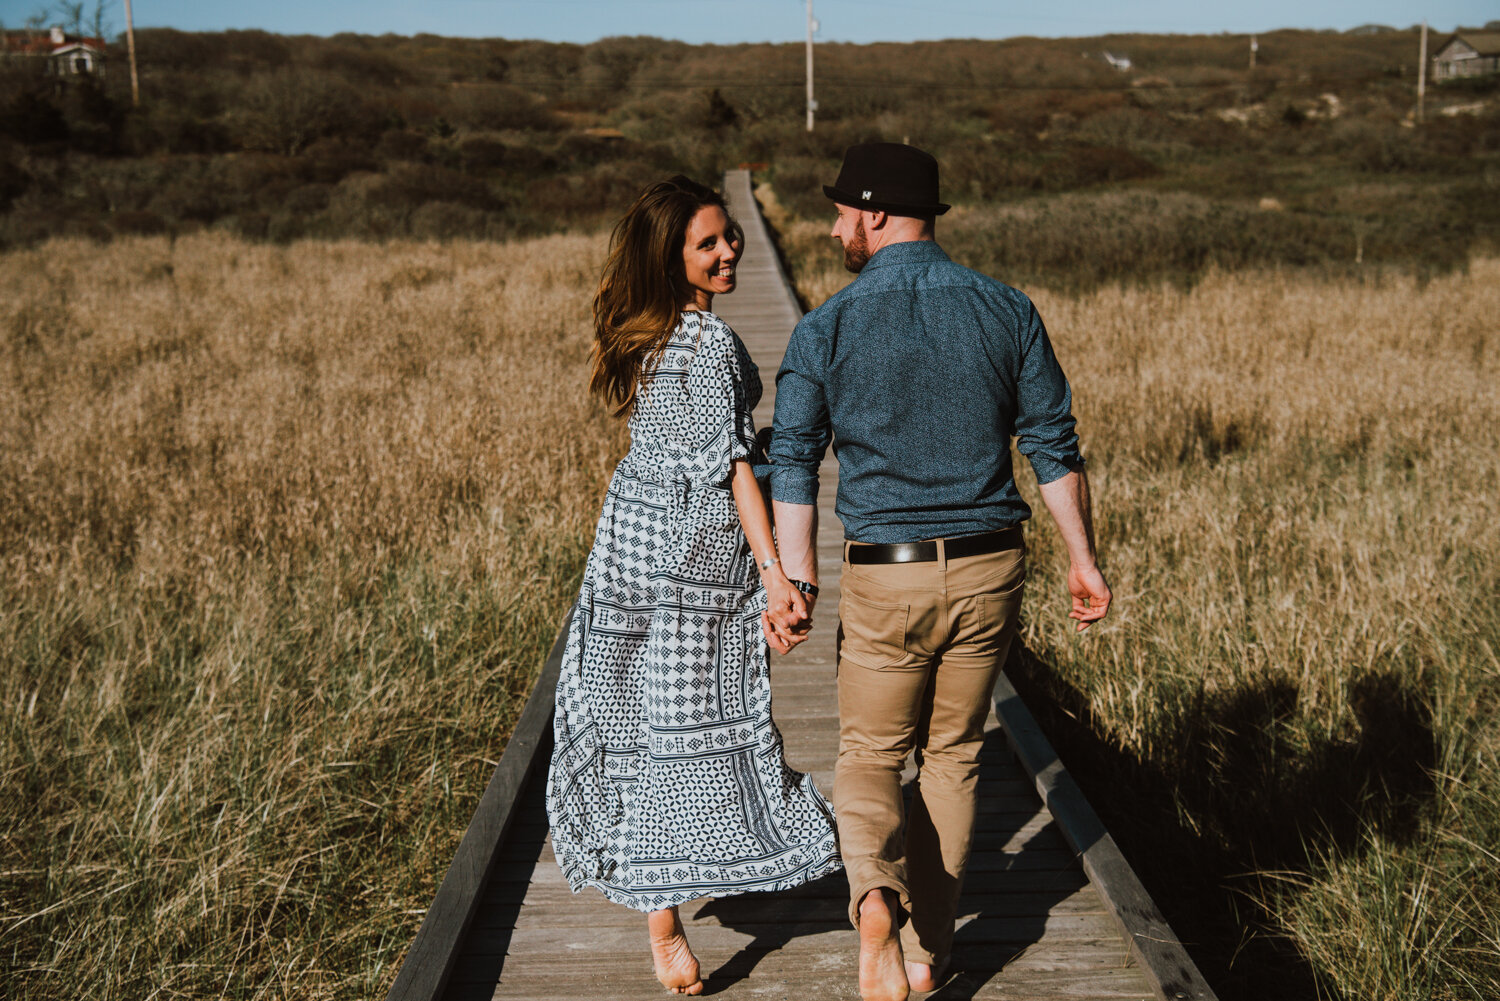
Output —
(668, 781)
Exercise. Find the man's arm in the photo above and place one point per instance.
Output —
(1067, 500)
(800, 439)
(796, 535)
(1046, 435)
(796, 540)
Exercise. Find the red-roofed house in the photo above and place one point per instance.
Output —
(55, 52)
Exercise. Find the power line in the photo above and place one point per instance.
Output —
(888, 83)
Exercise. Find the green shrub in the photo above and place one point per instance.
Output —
(170, 49)
(286, 110)
(362, 66)
(410, 186)
(30, 117)
(329, 161)
(139, 222)
(13, 182)
(402, 144)
(495, 107)
(168, 128)
(479, 153)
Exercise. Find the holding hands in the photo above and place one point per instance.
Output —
(787, 619)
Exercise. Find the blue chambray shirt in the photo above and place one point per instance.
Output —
(920, 371)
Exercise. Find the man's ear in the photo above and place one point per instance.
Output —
(877, 219)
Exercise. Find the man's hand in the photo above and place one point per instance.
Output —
(1091, 595)
(788, 625)
(1067, 500)
(788, 615)
(782, 640)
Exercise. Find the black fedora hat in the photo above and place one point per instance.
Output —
(888, 177)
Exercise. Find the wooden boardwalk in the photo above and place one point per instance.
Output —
(1032, 922)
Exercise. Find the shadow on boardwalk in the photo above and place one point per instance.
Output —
(993, 930)
(1015, 860)
(1244, 786)
(524, 852)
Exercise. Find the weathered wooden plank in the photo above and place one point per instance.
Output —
(777, 908)
(430, 960)
(1099, 957)
(1157, 949)
(829, 976)
(979, 887)
(1062, 931)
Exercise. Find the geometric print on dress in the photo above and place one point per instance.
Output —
(668, 778)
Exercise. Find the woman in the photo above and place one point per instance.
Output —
(668, 781)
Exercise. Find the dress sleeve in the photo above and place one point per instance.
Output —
(721, 411)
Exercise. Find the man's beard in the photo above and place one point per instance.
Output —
(857, 250)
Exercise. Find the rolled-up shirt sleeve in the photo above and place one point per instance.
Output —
(1044, 406)
(801, 432)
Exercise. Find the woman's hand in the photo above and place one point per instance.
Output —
(788, 616)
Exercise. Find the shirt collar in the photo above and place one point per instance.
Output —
(907, 252)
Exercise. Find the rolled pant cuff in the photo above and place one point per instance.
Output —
(857, 893)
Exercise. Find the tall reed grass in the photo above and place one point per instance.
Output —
(285, 535)
(286, 531)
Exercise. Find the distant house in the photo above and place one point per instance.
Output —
(55, 52)
(1472, 53)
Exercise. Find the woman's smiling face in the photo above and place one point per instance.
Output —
(709, 255)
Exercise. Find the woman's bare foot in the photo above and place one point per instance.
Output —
(676, 966)
(882, 976)
(925, 977)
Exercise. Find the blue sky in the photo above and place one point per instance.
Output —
(771, 20)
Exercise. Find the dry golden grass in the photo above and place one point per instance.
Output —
(285, 533)
(1296, 483)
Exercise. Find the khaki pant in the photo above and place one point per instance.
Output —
(920, 647)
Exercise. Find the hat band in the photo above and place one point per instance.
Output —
(909, 203)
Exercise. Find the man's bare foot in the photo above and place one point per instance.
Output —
(925, 977)
(676, 966)
(882, 976)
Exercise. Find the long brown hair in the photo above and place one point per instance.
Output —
(644, 286)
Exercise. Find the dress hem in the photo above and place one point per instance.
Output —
(831, 862)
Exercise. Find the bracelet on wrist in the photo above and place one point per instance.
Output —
(811, 590)
(768, 564)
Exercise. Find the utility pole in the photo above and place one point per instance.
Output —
(1421, 74)
(135, 83)
(812, 105)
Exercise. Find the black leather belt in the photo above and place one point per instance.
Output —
(926, 552)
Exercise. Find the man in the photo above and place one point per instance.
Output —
(920, 372)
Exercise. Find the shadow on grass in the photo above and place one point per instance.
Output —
(1243, 789)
